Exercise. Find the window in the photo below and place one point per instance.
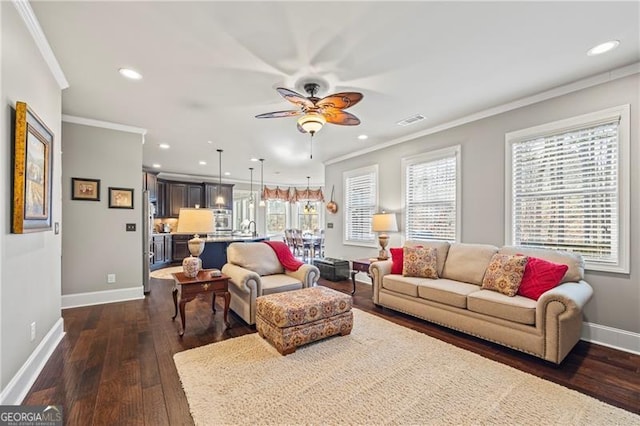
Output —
(431, 185)
(361, 201)
(276, 216)
(568, 188)
(309, 218)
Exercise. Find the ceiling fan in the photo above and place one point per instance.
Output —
(317, 112)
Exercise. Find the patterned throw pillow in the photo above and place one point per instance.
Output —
(419, 262)
(539, 276)
(504, 273)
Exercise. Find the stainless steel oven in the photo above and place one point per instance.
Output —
(222, 220)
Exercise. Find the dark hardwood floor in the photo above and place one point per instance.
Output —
(115, 364)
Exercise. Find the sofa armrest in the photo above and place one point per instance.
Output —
(378, 270)
(307, 274)
(245, 280)
(559, 316)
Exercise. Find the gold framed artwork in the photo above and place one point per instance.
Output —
(120, 198)
(32, 163)
(85, 189)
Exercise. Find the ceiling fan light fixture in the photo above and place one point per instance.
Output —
(311, 122)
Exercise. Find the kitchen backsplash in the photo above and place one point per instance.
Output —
(165, 225)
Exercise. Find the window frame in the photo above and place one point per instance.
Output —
(352, 174)
(267, 214)
(621, 113)
(435, 155)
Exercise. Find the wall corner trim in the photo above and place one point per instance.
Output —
(99, 297)
(20, 384)
(103, 124)
(615, 338)
(33, 25)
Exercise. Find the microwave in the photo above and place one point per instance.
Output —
(222, 220)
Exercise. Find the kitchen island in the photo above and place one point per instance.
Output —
(215, 248)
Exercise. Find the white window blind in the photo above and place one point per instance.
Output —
(360, 188)
(566, 192)
(431, 196)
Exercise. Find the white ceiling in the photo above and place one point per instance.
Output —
(210, 67)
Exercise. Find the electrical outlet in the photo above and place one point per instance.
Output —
(111, 278)
(33, 331)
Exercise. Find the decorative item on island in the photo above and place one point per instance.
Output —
(383, 223)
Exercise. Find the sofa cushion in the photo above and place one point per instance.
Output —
(257, 257)
(402, 285)
(419, 262)
(468, 262)
(397, 259)
(574, 261)
(517, 309)
(539, 277)
(278, 283)
(504, 273)
(442, 248)
(453, 293)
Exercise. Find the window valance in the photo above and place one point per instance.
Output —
(307, 195)
(277, 193)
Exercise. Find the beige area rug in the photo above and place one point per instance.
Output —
(165, 273)
(382, 373)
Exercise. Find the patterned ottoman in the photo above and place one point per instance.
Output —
(293, 318)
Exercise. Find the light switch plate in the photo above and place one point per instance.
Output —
(131, 227)
(330, 225)
(56, 228)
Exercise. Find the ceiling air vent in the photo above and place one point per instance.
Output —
(411, 120)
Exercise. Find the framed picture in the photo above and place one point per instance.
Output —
(32, 162)
(120, 198)
(85, 189)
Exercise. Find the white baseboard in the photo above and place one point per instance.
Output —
(611, 337)
(99, 297)
(17, 388)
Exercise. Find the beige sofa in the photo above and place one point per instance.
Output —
(254, 270)
(547, 328)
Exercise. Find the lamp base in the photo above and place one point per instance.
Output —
(383, 240)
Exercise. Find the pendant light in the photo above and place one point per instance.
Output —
(251, 188)
(308, 208)
(219, 198)
(262, 203)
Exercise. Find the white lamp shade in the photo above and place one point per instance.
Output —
(384, 222)
(192, 221)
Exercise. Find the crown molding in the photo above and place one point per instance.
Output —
(26, 13)
(103, 124)
(543, 96)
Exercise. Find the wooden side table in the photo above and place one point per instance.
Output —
(360, 265)
(186, 289)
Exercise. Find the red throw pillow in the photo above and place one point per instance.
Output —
(397, 256)
(539, 276)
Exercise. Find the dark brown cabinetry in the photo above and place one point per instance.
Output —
(180, 246)
(211, 193)
(183, 195)
(150, 183)
(161, 248)
(161, 202)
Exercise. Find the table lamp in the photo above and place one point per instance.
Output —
(383, 223)
(194, 221)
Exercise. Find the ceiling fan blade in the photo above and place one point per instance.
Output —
(341, 100)
(337, 116)
(277, 114)
(295, 98)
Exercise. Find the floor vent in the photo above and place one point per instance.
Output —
(411, 120)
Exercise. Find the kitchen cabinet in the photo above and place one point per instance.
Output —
(180, 246)
(183, 195)
(150, 183)
(161, 199)
(211, 193)
(161, 248)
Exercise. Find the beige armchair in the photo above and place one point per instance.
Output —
(254, 270)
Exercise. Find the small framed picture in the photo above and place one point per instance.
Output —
(85, 189)
(120, 198)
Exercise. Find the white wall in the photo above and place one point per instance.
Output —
(617, 296)
(94, 240)
(29, 263)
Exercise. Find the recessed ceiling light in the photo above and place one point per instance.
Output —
(202, 163)
(363, 137)
(603, 48)
(156, 166)
(254, 160)
(227, 173)
(129, 73)
(164, 146)
(209, 142)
